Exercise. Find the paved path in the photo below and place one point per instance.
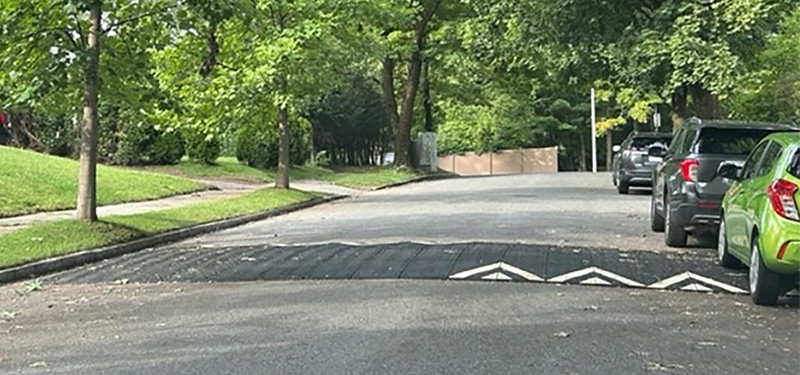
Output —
(224, 189)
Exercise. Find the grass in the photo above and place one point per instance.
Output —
(225, 167)
(368, 177)
(51, 239)
(228, 167)
(33, 182)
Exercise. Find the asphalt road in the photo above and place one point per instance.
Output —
(578, 209)
(251, 300)
(391, 327)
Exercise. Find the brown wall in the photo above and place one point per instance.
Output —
(534, 160)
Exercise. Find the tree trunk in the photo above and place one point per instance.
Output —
(426, 96)
(389, 101)
(282, 180)
(402, 148)
(678, 108)
(582, 165)
(609, 152)
(87, 178)
(402, 154)
(706, 104)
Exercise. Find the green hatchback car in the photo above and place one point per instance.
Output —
(760, 224)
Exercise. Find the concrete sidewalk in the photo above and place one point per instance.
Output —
(223, 189)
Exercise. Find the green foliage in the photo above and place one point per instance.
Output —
(202, 148)
(502, 73)
(168, 148)
(258, 147)
(771, 91)
(350, 123)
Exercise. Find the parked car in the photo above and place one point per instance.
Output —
(687, 192)
(632, 166)
(760, 223)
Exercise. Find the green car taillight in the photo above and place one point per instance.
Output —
(781, 195)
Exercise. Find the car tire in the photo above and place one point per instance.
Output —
(724, 257)
(765, 285)
(674, 235)
(623, 186)
(656, 220)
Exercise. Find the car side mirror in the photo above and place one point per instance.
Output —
(656, 152)
(616, 148)
(730, 171)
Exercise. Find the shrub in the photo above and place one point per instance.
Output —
(133, 142)
(258, 147)
(254, 148)
(168, 148)
(202, 148)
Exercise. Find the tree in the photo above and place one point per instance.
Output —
(55, 49)
(423, 12)
(87, 180)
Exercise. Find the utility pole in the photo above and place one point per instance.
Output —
(594, 137)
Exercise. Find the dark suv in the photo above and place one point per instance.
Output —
(687, 192)
(632, 165)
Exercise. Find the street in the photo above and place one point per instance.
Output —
(540, 274)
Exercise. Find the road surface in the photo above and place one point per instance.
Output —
(541, 274)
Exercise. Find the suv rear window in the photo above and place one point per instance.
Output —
(727, 141)
(644, 143)
(794, 165)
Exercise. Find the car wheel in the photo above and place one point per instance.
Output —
(622, 186)
(725, 258)
(656, 219)
(674, 235)
(765, 285)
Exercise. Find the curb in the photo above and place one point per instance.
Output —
(69, 261)
(433, 177)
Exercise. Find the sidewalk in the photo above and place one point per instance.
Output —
(225, 189)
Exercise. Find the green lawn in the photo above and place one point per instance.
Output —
(63, 237)
(228, 167)
(33, 182)
(225, 167)
(368, 177)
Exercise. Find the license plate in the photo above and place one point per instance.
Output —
(654, 159)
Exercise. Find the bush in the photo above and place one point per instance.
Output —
(201, 148)
(133, 142)
(141, 145)
(258, 147)
(167, 148)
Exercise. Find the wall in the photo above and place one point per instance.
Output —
(525, 161)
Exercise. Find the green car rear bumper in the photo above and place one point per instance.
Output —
(781, 232)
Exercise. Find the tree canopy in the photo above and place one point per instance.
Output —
(357, 78)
